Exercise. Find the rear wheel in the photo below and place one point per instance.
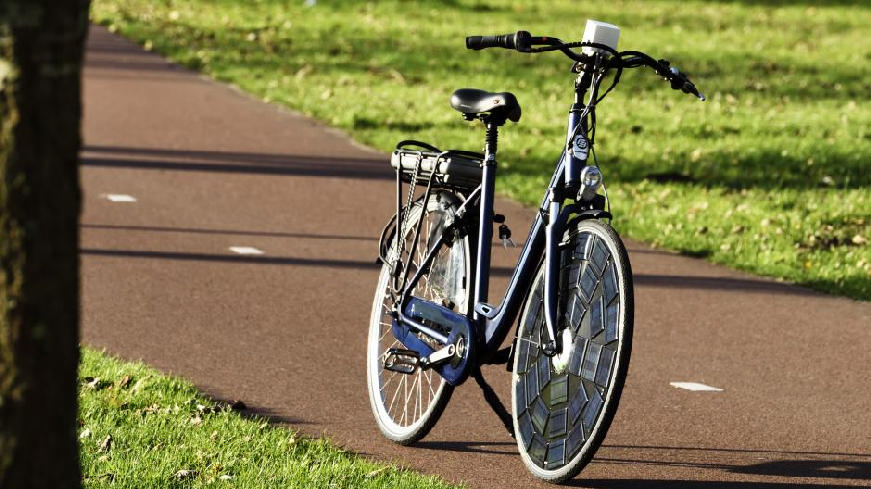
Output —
(563, 404)
(406, 406)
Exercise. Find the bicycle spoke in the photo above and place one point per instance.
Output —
(429, 384)
(387, 330)
(389, 379)
(395, 393)
(419, 395)
(405, 400)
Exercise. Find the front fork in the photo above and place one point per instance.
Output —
(561, 187)
(553, 232)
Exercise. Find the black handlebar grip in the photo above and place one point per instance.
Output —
(483, 42)
(519, 41)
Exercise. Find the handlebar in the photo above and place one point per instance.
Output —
(523, 42)
(520, 40)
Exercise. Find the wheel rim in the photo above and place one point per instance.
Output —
(559, 402)
(403, 403)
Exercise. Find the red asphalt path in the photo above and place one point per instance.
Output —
(211, 168)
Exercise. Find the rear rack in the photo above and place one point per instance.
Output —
(452, 169)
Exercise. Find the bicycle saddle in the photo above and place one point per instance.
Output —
(471, 101)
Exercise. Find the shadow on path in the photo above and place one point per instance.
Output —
(239, 259)
(720, 283)
(741, 450)
(236, 162)
(793, 464)
(497, 447)
(689, 484)
(663, 281)
(228, 232)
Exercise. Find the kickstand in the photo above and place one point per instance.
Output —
(494, 402)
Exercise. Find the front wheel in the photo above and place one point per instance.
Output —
(564, 404)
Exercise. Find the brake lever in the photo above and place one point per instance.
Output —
(680, 81)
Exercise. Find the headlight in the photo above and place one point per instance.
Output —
(591, 177)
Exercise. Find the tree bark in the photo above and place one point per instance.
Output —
(41, 49)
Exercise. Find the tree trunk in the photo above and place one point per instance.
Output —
(41, 46)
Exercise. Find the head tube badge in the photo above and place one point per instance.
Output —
(580, 147)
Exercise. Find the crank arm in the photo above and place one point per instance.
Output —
(439, 356)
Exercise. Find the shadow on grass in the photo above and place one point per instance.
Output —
(763, 169)
(251, 412)
(792, 3)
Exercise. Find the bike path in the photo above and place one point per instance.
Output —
(210, 168)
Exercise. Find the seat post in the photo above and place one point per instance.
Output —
(492, 137)
(485, 231)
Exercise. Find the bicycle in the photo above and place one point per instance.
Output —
(431, 326)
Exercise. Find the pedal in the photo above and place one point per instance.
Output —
(402, 361)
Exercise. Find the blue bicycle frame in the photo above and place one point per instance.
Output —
(490, 325)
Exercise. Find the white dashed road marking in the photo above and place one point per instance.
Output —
(246, 250)
(119, 197)
(694, 386)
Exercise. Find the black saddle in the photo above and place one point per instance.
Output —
(472, 102)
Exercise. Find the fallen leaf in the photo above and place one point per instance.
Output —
(376, 472)
(84, 434)
(125, 382)
(185, 474)
(106, 444)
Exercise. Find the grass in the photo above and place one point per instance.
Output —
(769, 176)
(141, 429)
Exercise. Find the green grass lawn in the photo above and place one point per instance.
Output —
(141, 429)
(770, 175)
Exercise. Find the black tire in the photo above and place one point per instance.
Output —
(563, 405)
(449, 280)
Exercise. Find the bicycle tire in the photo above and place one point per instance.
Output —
(448, 280)
(564, 405)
